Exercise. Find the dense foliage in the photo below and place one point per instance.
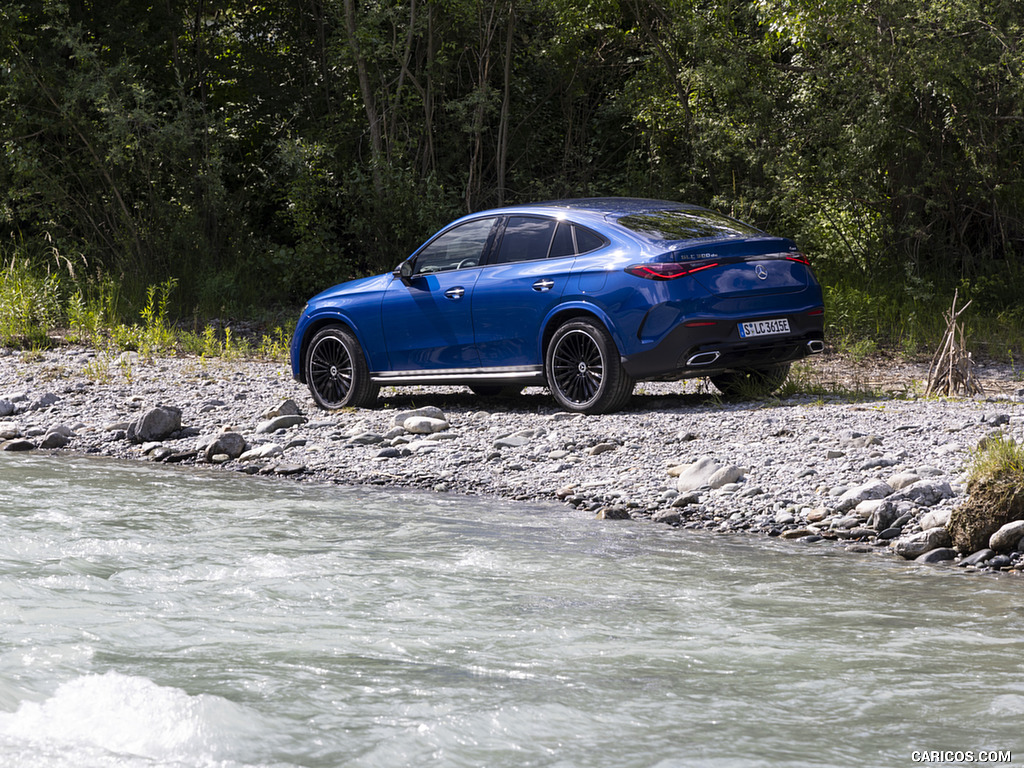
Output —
(258, 151)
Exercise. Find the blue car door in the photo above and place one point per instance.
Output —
(524, 279)
(427, 317)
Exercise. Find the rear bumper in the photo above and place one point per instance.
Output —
(691, 352)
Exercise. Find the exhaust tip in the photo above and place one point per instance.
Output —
(816, 347)
(704, 358)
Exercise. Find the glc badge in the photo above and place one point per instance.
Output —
(761, 272)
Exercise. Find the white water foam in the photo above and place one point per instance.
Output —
(130, 717)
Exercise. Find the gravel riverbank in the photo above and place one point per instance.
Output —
(850, 463)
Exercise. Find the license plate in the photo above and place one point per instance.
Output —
(763, 328)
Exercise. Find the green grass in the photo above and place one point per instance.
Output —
(998, 459)
(38, 313)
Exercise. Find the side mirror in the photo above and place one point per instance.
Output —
(404, 271)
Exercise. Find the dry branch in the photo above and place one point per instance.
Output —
(952, 368)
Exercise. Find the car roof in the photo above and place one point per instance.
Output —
(612, 207)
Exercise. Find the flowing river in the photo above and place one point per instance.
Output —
(154, 616)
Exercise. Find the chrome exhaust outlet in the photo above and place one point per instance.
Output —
(704, 358)
(816, 347)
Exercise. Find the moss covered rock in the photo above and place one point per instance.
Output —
(991, 504)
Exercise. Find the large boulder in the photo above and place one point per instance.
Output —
(155, 424)
(1007, 538)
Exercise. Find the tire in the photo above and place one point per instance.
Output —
(584, 372)
(495, 390)
(761, 382)
(336, 370)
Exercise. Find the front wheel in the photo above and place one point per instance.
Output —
(583, 369)
(754, 383)
(336, 370)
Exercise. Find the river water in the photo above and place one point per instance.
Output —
(153, 616)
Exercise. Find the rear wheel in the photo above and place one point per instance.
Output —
(754, 383)
(583, 369)
(336, 370)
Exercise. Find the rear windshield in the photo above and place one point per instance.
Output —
(690, 224)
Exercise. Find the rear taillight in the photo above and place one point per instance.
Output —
(661, 270)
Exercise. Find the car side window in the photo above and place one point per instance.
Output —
(563, 244)
(587, 241)
(457, 248)
(526, 238)
(573, 240)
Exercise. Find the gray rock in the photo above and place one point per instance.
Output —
(936, 518)
(860, 441)
(924, 493)
(9, 431)
(706, 472)
(229, 444)
(265, 451)
(6, 409)
(424, 425)
(878, 462)
(429, 411)
(512, 441)
(939, 555)
(901, 480)
(17, 445)
(279, 422)
(685, 500)
(978, 557)
(1008, 537)
(44, 402)
(367, 438)
(54, 439)
(155, 424)
(995, 419)
(600, 448)
(667, 516)
(876, 489)
(285, 408)
(916, 544)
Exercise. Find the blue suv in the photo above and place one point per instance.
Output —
(585, 297)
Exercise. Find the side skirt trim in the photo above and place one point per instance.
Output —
(451, 375)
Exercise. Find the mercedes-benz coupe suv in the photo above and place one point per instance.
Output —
(585, 297)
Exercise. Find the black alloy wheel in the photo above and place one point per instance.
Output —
(583, 369)
(336, 370)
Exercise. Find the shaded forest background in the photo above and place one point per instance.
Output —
(253, 153)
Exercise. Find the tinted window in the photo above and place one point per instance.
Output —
(526, 238)
(686, 225)
(563, 244)
(456, 249)
(587, 241)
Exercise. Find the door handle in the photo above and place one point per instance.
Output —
(455, 293)
(544, 284)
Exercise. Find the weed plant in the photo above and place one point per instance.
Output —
(998, 459)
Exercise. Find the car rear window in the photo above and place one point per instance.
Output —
(686, 224)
